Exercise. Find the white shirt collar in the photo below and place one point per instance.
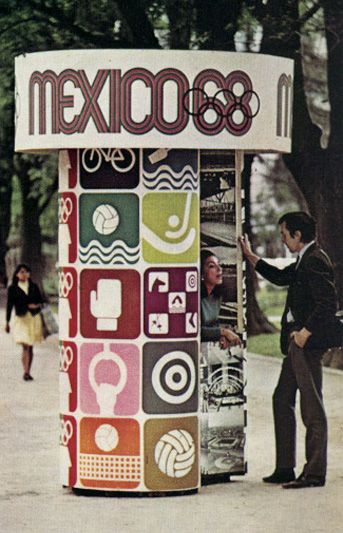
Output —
(303, 250)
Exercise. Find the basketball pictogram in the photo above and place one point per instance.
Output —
(175, 453)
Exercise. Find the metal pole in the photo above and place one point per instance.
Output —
(239, 165)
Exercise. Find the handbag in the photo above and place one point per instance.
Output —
(49, 323)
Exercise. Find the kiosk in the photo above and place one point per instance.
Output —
(151, 147)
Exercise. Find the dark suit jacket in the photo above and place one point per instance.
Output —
(311, 298)
(17, 298)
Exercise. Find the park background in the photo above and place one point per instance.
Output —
(310, 178)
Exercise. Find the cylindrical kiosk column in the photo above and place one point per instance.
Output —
(151, 148)
(129, 319)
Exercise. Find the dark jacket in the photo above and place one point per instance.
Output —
(17, 298)
(311, 298)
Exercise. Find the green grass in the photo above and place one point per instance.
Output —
(265, 344)
(271, 300)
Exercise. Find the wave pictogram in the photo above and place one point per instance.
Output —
(118, 253)
(165, 178)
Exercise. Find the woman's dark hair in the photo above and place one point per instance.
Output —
(205, 254)
(18, 268)
(300, 221)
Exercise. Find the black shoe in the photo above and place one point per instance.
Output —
(305, 482)
(27, 377)
(284, 475)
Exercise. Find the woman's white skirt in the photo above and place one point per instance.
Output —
(27, 329)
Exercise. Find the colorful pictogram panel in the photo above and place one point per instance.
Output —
(109, 228)
(110, 304)
(68, 376)
(67, 228)
(68, 444)
(68, 169)
(165, 169)
(129, 319)
(170, 377)
(109, 453)
(109, 379)
(67, 304)
(171, 302)
(109, 168)
(171, 453)
(170, 228)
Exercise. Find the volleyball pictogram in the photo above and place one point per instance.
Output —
(106, 437)
(105, 219)
(175, 453)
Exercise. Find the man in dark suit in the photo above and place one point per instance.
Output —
(308, 328)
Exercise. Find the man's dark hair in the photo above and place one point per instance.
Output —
(300, 221)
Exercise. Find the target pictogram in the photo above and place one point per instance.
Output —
(171, 369)
(173, 377)
(191, 281)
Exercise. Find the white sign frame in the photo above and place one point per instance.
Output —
(153, 99)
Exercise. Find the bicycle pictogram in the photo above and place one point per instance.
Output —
(122, 160)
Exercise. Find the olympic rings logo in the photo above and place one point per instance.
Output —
(66, 358)
(66, 432)
(66, 283)
(233, 106)
(65, 209)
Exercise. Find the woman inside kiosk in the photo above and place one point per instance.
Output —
(211, 298)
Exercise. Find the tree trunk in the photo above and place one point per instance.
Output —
(217, 23)
(31, 236)
(257, 322)
(318, 171)
(139, 25)
(5, 222)
(6, 175)
(180, 21)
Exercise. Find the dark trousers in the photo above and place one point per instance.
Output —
(301, 370)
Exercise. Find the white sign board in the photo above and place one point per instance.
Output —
(153, 99)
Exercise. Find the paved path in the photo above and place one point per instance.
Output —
(31, 499)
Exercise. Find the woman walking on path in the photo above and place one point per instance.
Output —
(24, 295)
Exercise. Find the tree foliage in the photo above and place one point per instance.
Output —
(286, 28)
